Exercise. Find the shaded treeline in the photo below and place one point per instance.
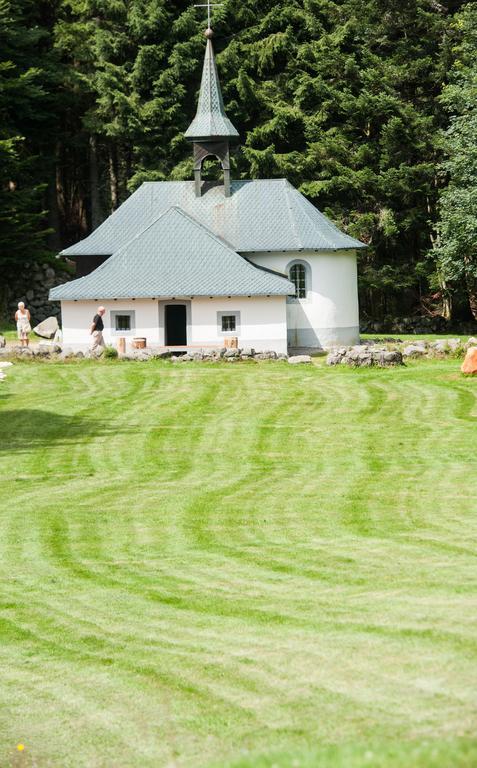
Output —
(348, 99)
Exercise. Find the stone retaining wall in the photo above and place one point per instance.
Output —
(51, 349)
(365, 356)
(32, 287)
(426, 324)
(394, 352)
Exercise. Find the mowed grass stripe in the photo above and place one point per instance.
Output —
(219, 558)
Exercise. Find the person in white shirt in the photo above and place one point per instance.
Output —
(22, 319)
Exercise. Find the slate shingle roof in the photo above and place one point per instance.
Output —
(260, 215)
(174, 256)
(210, 121)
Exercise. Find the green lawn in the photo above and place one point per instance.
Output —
(247, 565)
(8, 330)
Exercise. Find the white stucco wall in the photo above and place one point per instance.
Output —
(330, 314)
(77, 316)
(263, 321)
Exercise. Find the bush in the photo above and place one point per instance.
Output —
(110, 353)
(458, 352)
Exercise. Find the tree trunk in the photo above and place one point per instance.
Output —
(472, 295)
(446, 306)
(59, 186)
(54, 238)
(446, 298)
(96, 214)
(113, 177)
(128, 164)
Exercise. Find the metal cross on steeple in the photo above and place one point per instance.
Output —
(207, 5)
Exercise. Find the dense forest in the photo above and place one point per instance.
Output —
(369, 107)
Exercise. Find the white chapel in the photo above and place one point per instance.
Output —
(187, 264)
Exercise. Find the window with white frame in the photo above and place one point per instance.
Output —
(298, 278)
(123, 321)
(228, 323)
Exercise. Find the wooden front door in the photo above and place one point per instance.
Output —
(176, 325)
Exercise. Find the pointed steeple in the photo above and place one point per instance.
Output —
(210, 121)
(211, 131)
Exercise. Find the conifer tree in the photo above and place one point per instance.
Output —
(339, 96)
(456, 248)
(22, 115)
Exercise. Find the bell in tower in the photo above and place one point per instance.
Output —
(211, 130)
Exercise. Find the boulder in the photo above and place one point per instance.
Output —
(364, 359)
(3, 341)
(440, 346)
(453, 344)
(334, 358)
(232, 352)
(414, 350)
(48, 347)
(47, 328)
(266, 356)
(470, 361)
(248, 352)
(392, 357)
(133, 354)
(298, 359)
(471, 342)
(5, 364)
(385, 357)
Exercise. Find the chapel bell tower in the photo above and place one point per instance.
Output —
(211, 131)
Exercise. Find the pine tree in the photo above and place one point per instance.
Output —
(23, 227)
(339, 97)
(456, 249)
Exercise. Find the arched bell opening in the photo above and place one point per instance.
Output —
(211, 149)
(212, 169)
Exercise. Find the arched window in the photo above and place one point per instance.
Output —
(298, 278)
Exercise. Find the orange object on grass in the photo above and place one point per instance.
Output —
(470, 362)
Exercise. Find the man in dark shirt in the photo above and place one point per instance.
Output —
(96, 330)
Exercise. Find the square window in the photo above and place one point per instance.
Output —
(229, 323)
(123, 322)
